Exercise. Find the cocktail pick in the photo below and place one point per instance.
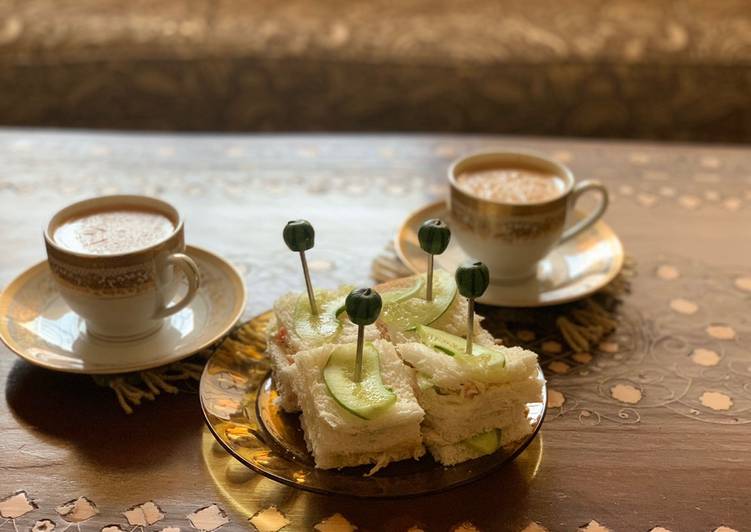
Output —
(434, 236)
(299, 236)
(472, 279)
(363, 307)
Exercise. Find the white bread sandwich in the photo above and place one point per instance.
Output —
(405, 307)
(294, 329)
(474, 404)
(375, 421)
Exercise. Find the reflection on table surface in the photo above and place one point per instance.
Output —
(497, 498)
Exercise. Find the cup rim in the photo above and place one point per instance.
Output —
(563, 171)
(135, 199)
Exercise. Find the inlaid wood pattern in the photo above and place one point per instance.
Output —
(654, 435)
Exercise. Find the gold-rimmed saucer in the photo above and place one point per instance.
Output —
(38, 325)
(571, 271)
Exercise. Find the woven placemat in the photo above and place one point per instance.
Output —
(580, 325)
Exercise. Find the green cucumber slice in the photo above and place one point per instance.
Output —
(323, 327)
(456, 346)
(407, 313)
(403, 289)
(366, 399)
(485, 443)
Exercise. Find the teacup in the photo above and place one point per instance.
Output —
(114, 260)
(512, 237)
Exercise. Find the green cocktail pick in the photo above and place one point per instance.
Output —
(472, 279)
(300, 236)
(363, 306)
(434, 236)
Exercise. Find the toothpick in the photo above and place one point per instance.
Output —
(308, 284)
(429, 289)
(470, 324)
(358, 358)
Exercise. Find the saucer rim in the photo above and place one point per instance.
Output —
(8, 294)
(429, 208)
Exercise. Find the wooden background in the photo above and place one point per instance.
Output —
(668, 460)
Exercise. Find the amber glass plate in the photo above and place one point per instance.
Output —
(238, 401)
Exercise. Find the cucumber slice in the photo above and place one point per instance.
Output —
(455, 346)
(485, 443)
(367, 398)
(407, 313)
(403, 289)
(398, 291)
(324, 327)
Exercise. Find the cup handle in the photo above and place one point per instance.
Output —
(579, 189)
(189, 268)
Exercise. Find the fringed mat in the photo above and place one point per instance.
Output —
(131, 389)
(580, 325)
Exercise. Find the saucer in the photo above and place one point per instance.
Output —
(39, 326)
(571, 271)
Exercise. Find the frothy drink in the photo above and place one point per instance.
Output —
(512, 185)
(113, 232)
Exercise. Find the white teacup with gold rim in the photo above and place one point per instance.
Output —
(509, 209)
(115, 260)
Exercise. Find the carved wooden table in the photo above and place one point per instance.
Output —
(652, 428)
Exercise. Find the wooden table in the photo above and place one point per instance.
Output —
(668, 458)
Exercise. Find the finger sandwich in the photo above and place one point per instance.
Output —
(474, 404)
(375, 421)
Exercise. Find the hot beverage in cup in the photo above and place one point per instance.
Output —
(509, 209)
(113, 231)
(515, 185)
(117, 261)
